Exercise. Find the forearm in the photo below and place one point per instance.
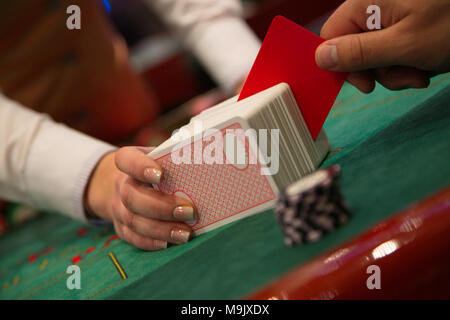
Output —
(45, 164)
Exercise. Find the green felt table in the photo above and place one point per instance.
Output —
(393, 147)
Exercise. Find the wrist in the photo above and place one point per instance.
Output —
(100, 189)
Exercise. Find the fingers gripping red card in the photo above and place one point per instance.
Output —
(288, 55)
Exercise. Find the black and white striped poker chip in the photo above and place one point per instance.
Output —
(312, 207)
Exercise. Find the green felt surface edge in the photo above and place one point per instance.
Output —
(393, 147)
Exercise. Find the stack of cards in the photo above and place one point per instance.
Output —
(232, 160)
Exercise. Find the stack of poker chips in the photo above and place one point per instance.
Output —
(312, 207)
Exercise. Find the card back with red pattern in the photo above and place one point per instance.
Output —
(288, 55)
(221, 193)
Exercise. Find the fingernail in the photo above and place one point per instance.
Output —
(180, 235)
(327, 57)
(153, 175)
(184, 213)
(159, 244)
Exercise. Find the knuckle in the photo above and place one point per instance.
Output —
(158, 212)
(406, 43)
(118, 184)
(129, 219)
(122, 215)
(120, 179)
(415, 55)
(128, 235)
(149, 227)
(126, 195)
(118, 156)
(131, 237)
(124, 159)
(136, 240)
(115, 207)
(357, 53)
(163, 211)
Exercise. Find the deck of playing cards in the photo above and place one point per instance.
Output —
(232, 160)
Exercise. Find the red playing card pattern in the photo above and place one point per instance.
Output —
(288, 55)
(218, 191)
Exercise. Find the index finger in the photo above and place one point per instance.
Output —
(136, 163)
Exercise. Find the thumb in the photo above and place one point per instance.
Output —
(356, 52)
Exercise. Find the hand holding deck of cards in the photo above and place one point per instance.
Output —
(233, 160)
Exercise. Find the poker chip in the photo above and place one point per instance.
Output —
(312, 207)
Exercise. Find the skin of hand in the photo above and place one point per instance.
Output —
(411, 46)
(120, 191)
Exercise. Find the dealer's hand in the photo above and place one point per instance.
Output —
(120, 191)
(412, 45)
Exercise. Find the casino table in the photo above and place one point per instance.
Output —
(394, 152)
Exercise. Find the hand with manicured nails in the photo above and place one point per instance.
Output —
(120, 191)
(412, 45)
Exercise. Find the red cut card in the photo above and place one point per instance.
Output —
(288, 55)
